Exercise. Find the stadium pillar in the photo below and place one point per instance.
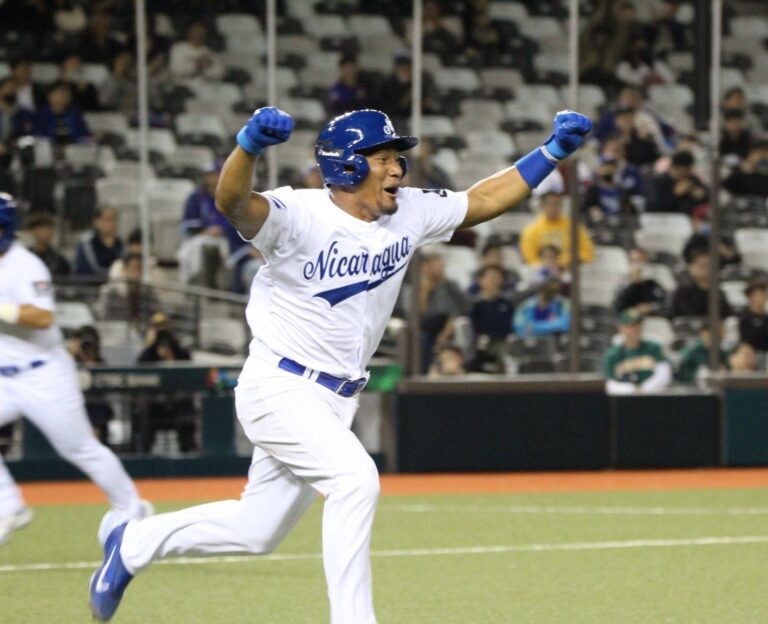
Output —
(573, 186)
(143, 114)
(271, 82)
(702, 67)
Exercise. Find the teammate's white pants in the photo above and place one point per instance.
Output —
(303, 445)
(50, 397)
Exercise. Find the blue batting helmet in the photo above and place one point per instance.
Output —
(8, 221)
(342, 143)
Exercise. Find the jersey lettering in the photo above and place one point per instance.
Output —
(440, 192)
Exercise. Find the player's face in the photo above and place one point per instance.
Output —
(378, 192)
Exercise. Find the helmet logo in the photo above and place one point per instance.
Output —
(335, 153)
(388, 129)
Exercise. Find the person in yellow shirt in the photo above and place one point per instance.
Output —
(551, 227)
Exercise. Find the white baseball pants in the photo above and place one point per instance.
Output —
(50, 397)
(303, 445)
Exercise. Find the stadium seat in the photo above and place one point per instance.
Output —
(190, 158)
(130, 170)
(487, 109)
(285, 79)
(437, 126)
(326, 26)
(200, 128)
(71, 315)
(491, 142)
(457, 79)
(508, 11)
(551, 60)
(107, 124)
(502, 79)
(654, 241)
(233, 25)
(5, 69)
(749, 26)
(374, 28)
(666, 222)
(298, 44)
(171, 190)
(678, 94)
(447, 160)
(95, 73)
(159, 140)
(222, 334)
(460, 262)
(659, 329)
(734, 293)
(95, 156)
(751, 239)
(305, 111)
(44, 73)
(476, 123)
(522, 109)
(663, 275)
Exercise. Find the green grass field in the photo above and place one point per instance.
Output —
(682, 557)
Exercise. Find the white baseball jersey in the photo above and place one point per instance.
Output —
(331, 280)
(24, 279)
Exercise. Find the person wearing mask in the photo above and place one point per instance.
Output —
(59, 120)
(98, 248)
(753, 322)
(41, 229)
(679, 189)
(691, 298)
(640, 147)
(736, 138)
(552, 227)
(605, 197)
(635, 365)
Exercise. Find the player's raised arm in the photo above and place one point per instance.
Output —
(235, 199)
(493, 196)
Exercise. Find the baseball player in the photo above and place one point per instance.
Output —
(38, 379)
(336, 258)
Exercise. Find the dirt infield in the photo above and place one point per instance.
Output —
(82, 492)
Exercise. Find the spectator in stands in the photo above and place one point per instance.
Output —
(437, 37)
(100, 43)
(635, 365)
(605, 40)
(605, 197)
(28, 95)
(543, 314)
(551, 227)
(59, 120)
(394, 97)
(743, 359)
(426, 173)
(694, 360)
(628, 176)
(736, 137)
(753, 322)
(666, 32)
(41, 229)
(125, 298)
(174, 412)
(449, 362)
(14, 122)
(641, 67)
(84, 94)
(134, 244)
(85, 347)
(98, 248)
(700, 219)
(440, 301)
(679, 189)
(691, 298)
(639, 144)
(751, 176)
(211, 241)
(735, 99)
(492, 254)
(484, 39)
(647, 123)
(352, 90)
(119, 91)
(491, 316)
(642, 293)
(192, 58)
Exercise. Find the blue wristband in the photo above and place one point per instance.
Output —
(534, 167)
(554, 149)
(244, 141)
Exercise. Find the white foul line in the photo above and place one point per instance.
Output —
(424, 552)
(585, 510)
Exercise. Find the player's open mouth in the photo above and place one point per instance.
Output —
(391, 190)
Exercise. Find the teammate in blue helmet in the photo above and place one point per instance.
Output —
(8, 221)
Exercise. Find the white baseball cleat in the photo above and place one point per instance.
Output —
(9, 524)
(115, 517)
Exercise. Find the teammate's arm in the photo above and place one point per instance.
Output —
(25, 315)
(493, 196)
(235, 199)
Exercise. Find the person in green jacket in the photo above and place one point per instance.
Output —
(636, 366)
(694, 360)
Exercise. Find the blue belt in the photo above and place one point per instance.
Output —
(11, 371)
(344, 387)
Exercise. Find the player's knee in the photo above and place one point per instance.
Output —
(80, 451)
(363, 481)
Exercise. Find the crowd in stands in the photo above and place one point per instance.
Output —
(493, 72)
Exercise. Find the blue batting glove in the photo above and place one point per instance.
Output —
(569, 129)
(267, 126)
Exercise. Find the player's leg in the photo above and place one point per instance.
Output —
(13, 511)
(50, 397)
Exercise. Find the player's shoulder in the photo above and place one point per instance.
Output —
(652, 347)
(286, 197)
